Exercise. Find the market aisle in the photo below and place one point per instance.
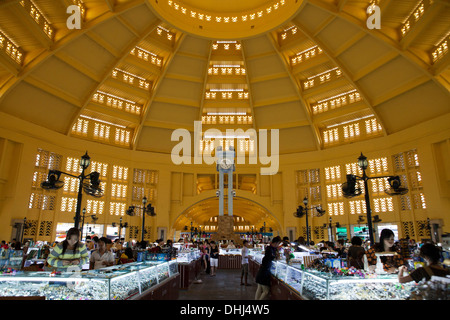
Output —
(224, 286)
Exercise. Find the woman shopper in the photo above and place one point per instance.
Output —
(127, 256)
(214, 261)
(356, 253)
(70, 252)
(386, 244)
(263, 275)
(431, 254)
(244, 264)
(206, 256)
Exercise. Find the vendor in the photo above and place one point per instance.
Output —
(127, 256)
(386, 244)
(70, 252)
(300, 245)
(231, 245)
(102, 257)
(356, 253)
(431, 254)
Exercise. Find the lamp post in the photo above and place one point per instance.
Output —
(93, 216)
(92, 189)
(146, 208)
(349, 190)
(330, 229)
(363, 164)
(305, 202)
(84, 164)
(302, 211)
(82, 224)
(121, 225)
(144, 202)
(25, 225)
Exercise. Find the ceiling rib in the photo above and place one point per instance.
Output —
(276, 47)
(113, 65)
(155, 89)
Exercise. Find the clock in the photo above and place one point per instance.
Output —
(225, 163)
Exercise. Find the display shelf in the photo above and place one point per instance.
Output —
(225, 252)
(111, 283)
(315, 285)
(11, 259)
(189, 271)
(187, 256)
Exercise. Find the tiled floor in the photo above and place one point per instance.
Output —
(224, 286)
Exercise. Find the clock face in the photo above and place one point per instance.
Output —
(225, 163)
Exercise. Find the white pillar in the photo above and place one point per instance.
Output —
(230, 193)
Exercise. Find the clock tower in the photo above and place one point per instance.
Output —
(225, 165)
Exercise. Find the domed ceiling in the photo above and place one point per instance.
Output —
(136, 70)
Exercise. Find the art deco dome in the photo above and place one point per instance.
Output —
(137, 70)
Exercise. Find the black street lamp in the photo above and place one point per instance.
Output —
(121, 225)
(329, 226)
(303, 211)
(92, 216)
(145, 209)
(92, 188)
(350, 190)
(26, 225)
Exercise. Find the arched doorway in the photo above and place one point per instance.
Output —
(248, 214)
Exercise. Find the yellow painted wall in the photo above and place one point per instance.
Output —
(19, 141)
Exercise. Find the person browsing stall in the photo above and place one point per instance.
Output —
(70, 252)
(127, 256)
(244, 264)
(263, 275)
(214, 258)
(386, 244)
(431, 254)
(101, 257)
(356, 253)
(231, 245)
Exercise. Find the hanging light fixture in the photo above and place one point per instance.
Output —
(92, 187)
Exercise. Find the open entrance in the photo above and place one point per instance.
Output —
(199, 221)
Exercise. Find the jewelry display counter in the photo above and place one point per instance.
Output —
(137, 280)
(292, 282)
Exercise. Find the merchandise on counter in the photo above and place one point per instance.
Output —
(111, 283)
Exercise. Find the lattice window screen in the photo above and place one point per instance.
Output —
(45, 228)
(133, 232)
(408, 229)
(32, 229)
(422, 228)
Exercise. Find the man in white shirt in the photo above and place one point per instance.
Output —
(101, 257)
(231, 245)
(244, 268)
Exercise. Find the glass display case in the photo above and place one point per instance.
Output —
(10, 259)
(257, 257)
(225, 252)
(112, 283)
(33, 257)
(280, 270)
(188, 255)
(185, 257)
(316, 285)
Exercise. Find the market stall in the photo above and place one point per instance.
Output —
(133, 281)
(189, 266)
